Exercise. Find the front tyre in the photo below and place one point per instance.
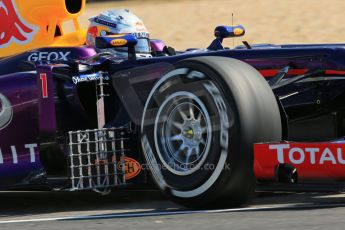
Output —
(199, 125)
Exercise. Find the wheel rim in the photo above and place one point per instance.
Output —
(182, 133)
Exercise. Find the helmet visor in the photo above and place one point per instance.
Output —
(143, 46)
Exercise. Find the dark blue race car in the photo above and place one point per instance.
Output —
(205, 125)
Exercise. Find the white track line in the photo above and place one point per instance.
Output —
(150, 214)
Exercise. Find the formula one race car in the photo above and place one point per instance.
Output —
(206, 126)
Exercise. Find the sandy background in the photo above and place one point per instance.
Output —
(190, 23)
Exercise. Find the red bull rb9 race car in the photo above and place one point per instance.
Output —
(206, 126)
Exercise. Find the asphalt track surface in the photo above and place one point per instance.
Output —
(150, 210)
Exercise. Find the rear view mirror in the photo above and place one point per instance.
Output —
(229, 31)
(222, 32)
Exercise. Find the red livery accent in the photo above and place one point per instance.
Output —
(273, 72)
(13, 28)
(312, 160)
(335, 72)
(43, 78)
(93, 31)
(293, 72)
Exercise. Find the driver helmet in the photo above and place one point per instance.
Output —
(119, 21)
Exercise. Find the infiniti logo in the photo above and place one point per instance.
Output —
(6, 111)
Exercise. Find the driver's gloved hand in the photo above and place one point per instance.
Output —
(169, 50)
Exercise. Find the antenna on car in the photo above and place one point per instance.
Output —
(232, 24)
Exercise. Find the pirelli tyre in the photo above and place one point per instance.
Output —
(198, 129)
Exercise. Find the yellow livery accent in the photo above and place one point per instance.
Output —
(116, 35)
(118, 42)
(32, 24)
(238, 31)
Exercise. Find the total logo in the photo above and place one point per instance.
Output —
(49, 56)
(309, 155)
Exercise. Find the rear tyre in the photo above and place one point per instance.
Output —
(198, 129)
